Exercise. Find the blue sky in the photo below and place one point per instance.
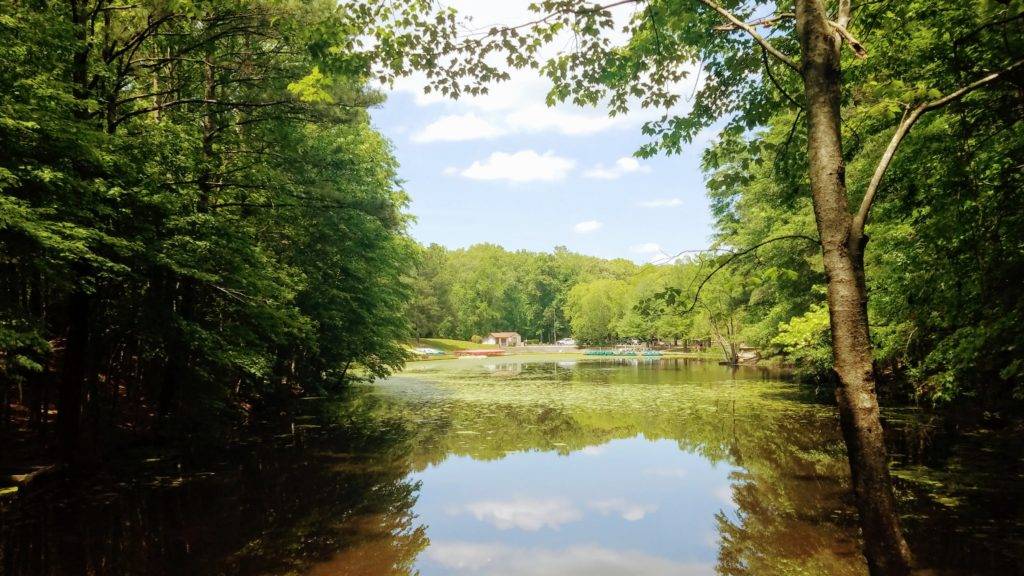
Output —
(506, 169)
(630, 505)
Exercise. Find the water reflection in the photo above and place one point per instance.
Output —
(616, 508)
(527, 467)
(338, 506)
(679, 467)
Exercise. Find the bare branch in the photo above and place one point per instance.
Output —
(767, 21)
(753, 34)
(855, 44)
(733, 256)
(775, 81)
(223, 104)
(843, 15)
(789, 139)
(906, 123)
(115, 8)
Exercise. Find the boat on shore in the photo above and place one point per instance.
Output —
(623, 353)
(480, 353)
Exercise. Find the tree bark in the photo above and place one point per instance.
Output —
(185, 292)
(843, 257)
(69, 392)
(69, 410)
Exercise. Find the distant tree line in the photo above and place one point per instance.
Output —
(547, 296)
(485, 288)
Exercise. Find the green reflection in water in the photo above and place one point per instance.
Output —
(793, 517)
(362, 493)
(795, 514)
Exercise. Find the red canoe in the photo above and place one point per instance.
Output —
(482, 352)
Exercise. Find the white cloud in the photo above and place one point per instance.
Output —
(461, 557)
(570, 122)
(656, 255)
(724, 494)
(593, 450)
(646, 248)
(522, 166)
(629, 511)
(518, 105)
(465, 555)
(662, 203)
(457, 128)
(413, 85)
(622, 166)
(666, 472)
(524, 513)
(587, 226)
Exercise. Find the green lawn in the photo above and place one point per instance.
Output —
(446, 344)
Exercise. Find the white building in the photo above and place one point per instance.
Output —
(504, 339)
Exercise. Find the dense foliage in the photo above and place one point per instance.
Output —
(546, 296)
(485, 288)
(196, 218)
(944, 261)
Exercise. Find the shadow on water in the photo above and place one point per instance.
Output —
(340, 501)
(524, 467)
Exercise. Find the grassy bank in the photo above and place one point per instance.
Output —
(448, 346)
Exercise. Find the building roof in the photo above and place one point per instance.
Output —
(503, 334)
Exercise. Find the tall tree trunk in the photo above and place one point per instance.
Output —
(69, 394)
(179, 348)
(886, 551)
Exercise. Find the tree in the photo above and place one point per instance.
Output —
(196, 219)
(429, 307)
(485, 288)
(595, 309)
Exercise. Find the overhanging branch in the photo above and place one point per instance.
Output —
(911, 116)
(740, 253)
(753, 34)
(766, 21)
(775, 81)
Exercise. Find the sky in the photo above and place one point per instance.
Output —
(505, 168)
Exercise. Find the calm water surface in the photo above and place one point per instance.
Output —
(530, 467)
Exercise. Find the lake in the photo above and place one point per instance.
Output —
(521, 466)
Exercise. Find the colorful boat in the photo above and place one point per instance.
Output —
(627, 353)
(480, 353)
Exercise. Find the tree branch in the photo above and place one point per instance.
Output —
(906, 123)
(855, 44)
(775, 81)
(738, 254)
(766, 21)
(789, 139)
(224, 104)
(843, 15)
(753, 34)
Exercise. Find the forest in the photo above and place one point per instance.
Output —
(163, 226)
(195, 215)
(200, 224)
